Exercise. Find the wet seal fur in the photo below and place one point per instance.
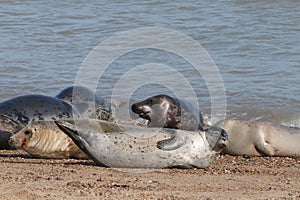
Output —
(148, 147)
(261, 139)
(168, 112)
(19, 111)
(87, 102)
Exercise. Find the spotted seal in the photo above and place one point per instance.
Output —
(19, 111)
(149, 147)
(261, 138)
(168, 112)
(87, 102)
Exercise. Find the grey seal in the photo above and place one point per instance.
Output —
(260, 138)
(87, 102)
(168, 112)
(148, 147)
(22, 110)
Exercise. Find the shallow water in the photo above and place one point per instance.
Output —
(254, 44)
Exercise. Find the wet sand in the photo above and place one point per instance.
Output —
(228, 177)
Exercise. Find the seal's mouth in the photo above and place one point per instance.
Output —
(145, 115)
(24, 141)
(143, 111)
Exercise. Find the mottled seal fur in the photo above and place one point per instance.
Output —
(168, 112)
(261, 139)
(8, 126)
(149, 147)
(29, 108)
(19, 111)
(87, 102)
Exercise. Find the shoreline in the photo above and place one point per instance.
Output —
(229, 177)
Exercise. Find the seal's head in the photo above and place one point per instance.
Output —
(21, 139)
(217, 138)
(161, 111)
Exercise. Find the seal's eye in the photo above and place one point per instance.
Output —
(27, 133)
(150, 101)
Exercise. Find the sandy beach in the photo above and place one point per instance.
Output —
(228, 177)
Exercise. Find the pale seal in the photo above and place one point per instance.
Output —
(25, 109)
(168, 112)
(261, 139)
(43, 139)
(87, 102)
(149, 147)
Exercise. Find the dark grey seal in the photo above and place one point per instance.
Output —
(19, 111)
(168, 112)
(148, 147)
(87, 102)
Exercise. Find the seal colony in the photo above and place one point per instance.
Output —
(18, 112)
(148, 147)
(245, 137)
(77, 123)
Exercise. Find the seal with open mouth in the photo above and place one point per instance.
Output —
(168, 112)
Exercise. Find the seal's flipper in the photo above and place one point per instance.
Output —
(170, 143)
(4, 140)
(265, 149)
(8, 124)
(8, 127)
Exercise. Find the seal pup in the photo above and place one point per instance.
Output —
(43, 139)
(149, 147)
(168, 112)
(260, 139)
(87, 102)
(22, 110)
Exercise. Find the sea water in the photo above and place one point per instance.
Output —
(255, 46)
